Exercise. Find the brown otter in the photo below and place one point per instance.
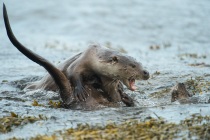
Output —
(91, 81)
(179, 92)
(98, 98)
(102, 62)
(84, 65)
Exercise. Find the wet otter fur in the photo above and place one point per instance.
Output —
(106, 68)
(102, 62)
(179, 92)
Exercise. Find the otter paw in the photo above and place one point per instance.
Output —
(127, 100)
(80, 94)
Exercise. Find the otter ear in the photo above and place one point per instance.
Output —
(115, 59)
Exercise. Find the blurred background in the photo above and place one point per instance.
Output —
(130, 23)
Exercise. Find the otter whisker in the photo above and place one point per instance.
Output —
(114, 80)
(102, 61)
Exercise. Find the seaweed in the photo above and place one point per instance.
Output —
(197, 127)
(35, 103)
(154, 47)
(52, 104)
(197, 85)
(199, 65)
(7, 123)
(192, 55)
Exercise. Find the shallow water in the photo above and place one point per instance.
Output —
(58, 30)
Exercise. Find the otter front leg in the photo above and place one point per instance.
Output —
(127, 100)
(110, 87)
(78, 88)
(115, 91)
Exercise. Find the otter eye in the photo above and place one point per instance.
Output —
(115, 59)
(132, 65)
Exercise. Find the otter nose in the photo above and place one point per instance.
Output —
(145, 75)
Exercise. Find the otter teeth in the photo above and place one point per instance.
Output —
(132, 84)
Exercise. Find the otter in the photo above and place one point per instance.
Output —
(103, 62)
(92, 83)
(179, 92)
(98, 65)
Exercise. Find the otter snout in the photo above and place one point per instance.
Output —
(145, 75)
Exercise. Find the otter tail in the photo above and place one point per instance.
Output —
(60, 79)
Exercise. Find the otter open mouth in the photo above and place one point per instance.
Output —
(132, 84)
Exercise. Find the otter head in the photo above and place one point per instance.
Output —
(123, 68)
(179, 92)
